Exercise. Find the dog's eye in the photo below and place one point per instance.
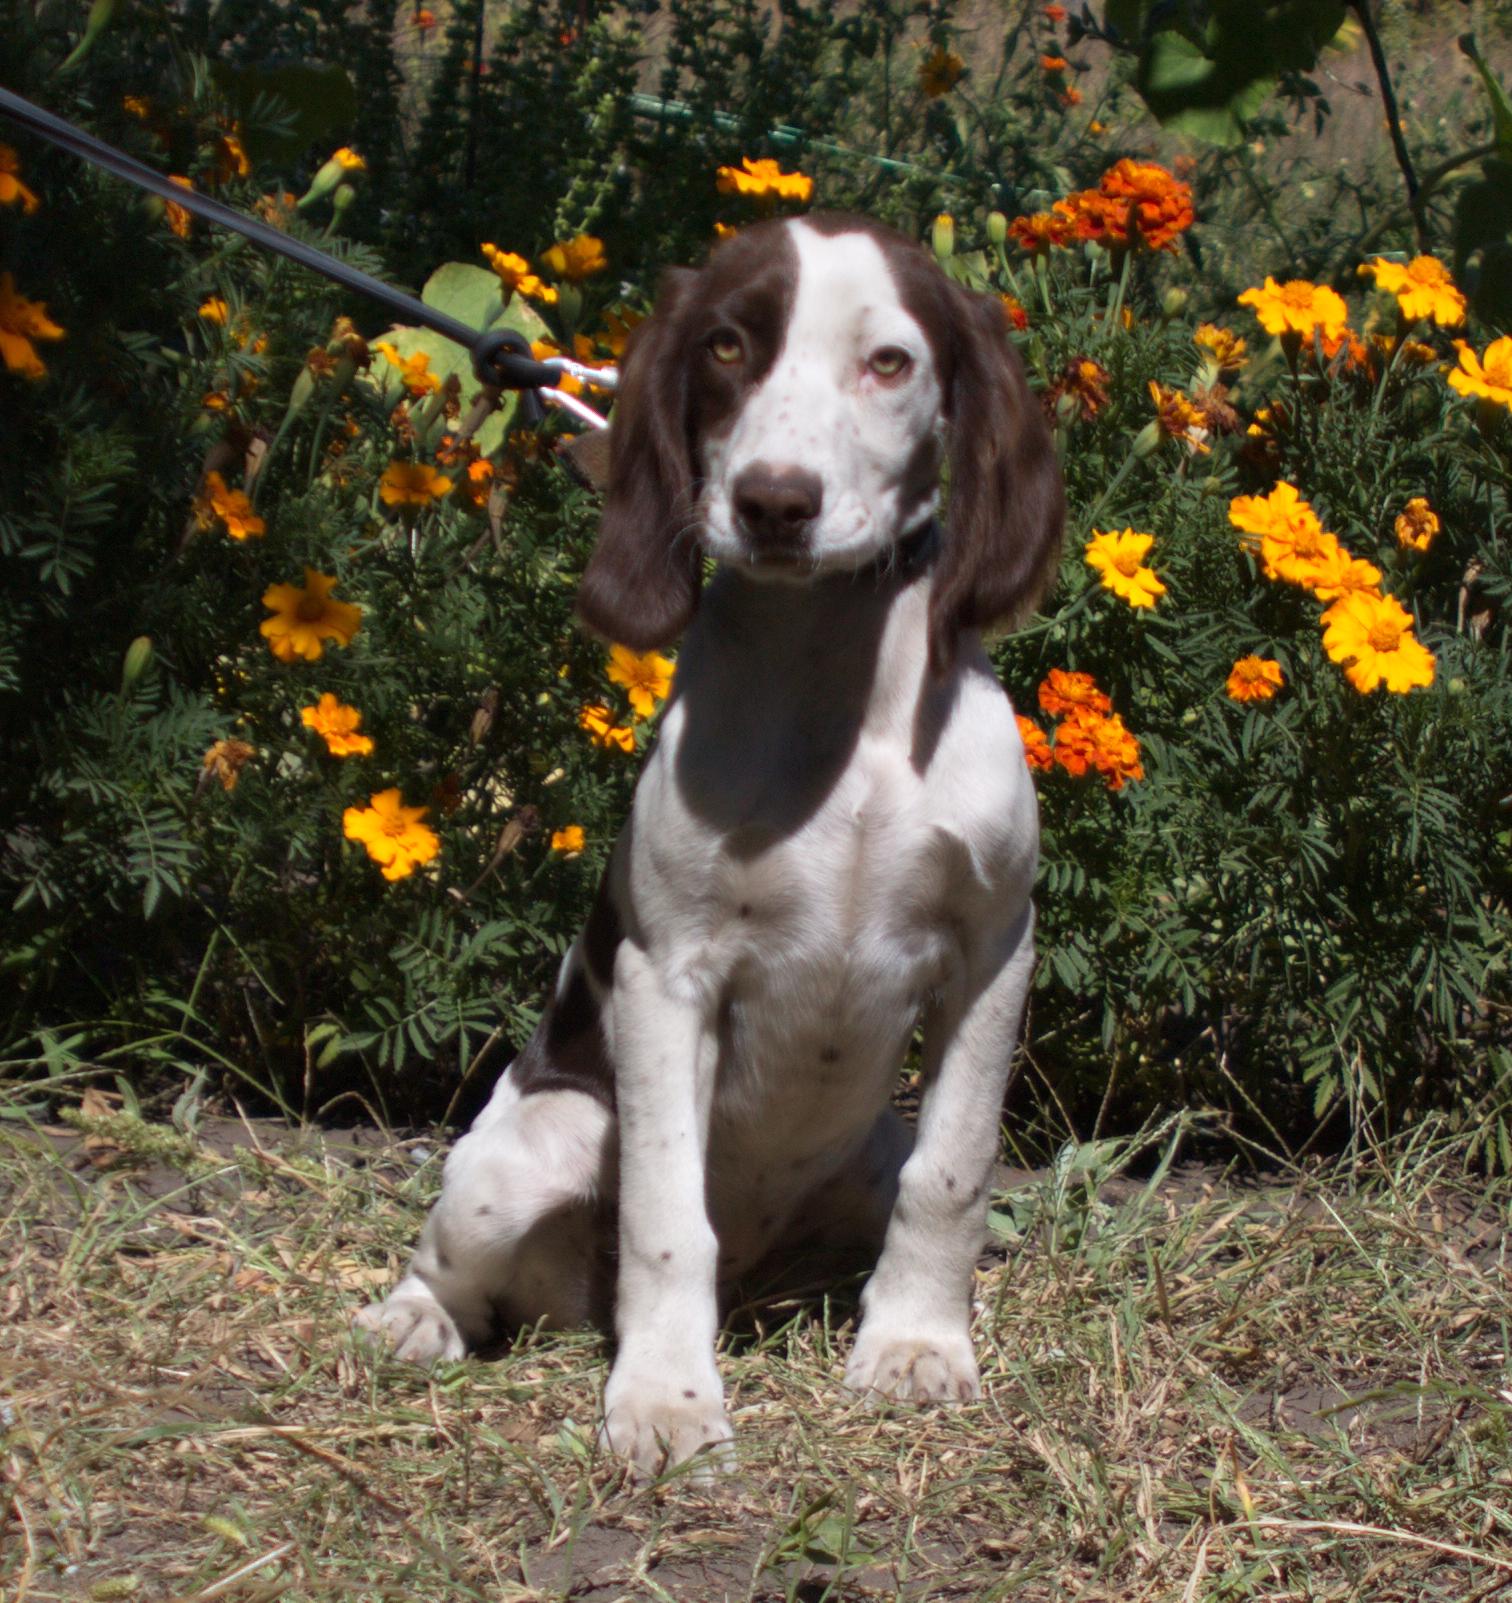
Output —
(889, 361)
(725, 346)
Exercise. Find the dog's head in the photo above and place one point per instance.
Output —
(786, 410)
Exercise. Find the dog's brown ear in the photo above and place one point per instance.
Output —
(1007, 503)
(642, 581)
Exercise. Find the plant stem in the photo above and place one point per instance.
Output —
(1394, 124)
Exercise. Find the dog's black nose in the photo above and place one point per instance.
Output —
(775, 506)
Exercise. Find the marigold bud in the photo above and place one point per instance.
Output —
(1174, 302)
(997, 228)
(138, 656)
(1147, 440)
(943, 237)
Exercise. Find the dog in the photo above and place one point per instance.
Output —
(834, 837)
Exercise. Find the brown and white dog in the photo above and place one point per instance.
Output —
(835, 836)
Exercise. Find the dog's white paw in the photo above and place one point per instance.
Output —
(414, 1324)
(937, 1368)
(657, 1422)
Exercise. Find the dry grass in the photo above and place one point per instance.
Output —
(1194, 1389)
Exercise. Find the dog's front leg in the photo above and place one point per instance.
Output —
(663, 1401)
(915, 1337)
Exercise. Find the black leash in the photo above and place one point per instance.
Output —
(501, 358)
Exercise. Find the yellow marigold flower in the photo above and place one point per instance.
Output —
(1100, 742)
(1254, 679)
(11, 187)
(349, 161)
(618, 324)
(414, 371)
(647, 677)
(137, 106)
(305, 618)
(1489, 377)
(602, 730)
(179, 217)
(215, 310)
(1423, 289)
(515, 275)
(337, 725)
(1227, 348)
(225, 761)
(1416, 525)
(763, 180)
(1371, 637)
(1063, 692)
(1296, 308)
(575, 259)
(569, 840)
(1337, 573)
(392, 833)
(1118, 558)
(1037, 751)
(411, 484)
(1095, 127)
(940, 71)
(21, 322)
(233, 508)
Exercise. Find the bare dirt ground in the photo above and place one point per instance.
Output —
(1195, 1387)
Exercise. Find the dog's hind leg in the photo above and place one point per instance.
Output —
(513, 1237)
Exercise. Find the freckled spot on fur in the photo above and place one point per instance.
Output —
(443, 1262)
(950, 1182)
(689, 1394)
(484, 1209)
(666, 1257)
(831, 1054)
(745, 910)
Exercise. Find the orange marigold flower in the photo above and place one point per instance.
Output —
(1037, 751)
(601, 728)
(230, 159)
(569, 841)
(1041, 231)
(11, 187)
(337, 726)
(1178, 418)
(21, 322)
(1416, 525)
(763, 180)
(1119, 560)
(1254, 679)
(1135, 202)
(1100, 742)
(414, 371)
(232, 508)
(1296, 308)
(1371, 637)
(214, 310)
(423, 20)
(1062, 691)
(304, 619)
(516, 277)
(412, 484)
(392, 833)
(575, 259)
(1087, 381)
(1053, 63)
(1070, 96)
(1423, 289)
(1054, 13)
(1013, 311)
(1489, 377)
(476, 484)
(225, 761)
(1285, 531)
(940, 71)
(179, 217)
